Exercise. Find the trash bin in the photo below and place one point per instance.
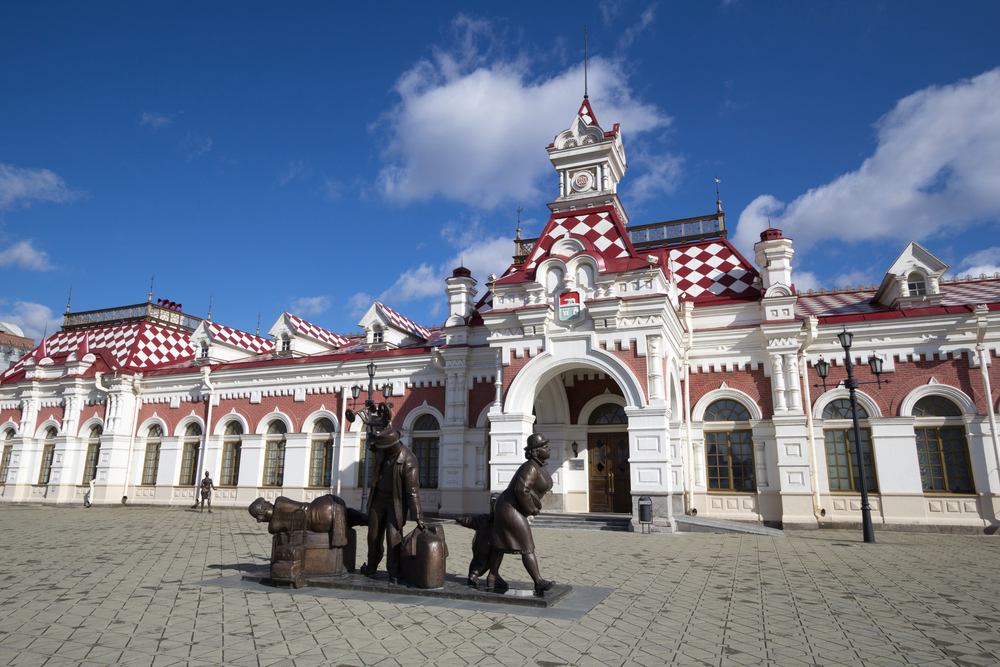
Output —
(645, 510)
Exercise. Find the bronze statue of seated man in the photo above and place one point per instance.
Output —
(326, 514)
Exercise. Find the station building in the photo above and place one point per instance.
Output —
(657, 359)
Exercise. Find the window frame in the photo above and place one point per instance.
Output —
(152, 455)
(189, 460)
(427, 448)
(916, 287)
(93, 454)
(232, 454)
(837, 418)
(48, 453)
(274, 454)
(321, 455)
(742, 428)
(8, 448)
(938, 423)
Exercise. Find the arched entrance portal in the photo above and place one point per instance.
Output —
(609, 480)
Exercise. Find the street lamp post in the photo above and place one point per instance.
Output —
(370, 423)
(851, 383)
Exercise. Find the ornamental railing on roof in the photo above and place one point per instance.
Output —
(140, 312)
(678, 231)
(523, 248)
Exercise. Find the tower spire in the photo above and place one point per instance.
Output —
(258, 323)
(585, 95)
(69, 299)
(718, 199)
(519, 209)
(209, 307)
(151, 277)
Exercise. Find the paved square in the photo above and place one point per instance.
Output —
(106, 586)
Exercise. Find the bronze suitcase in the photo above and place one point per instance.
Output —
(422, 561)
(288, 554)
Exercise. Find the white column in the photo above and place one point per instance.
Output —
(794, 392)
(778, 383)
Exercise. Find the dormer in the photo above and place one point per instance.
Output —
(214, 343)
(913, 280)
(589, 162)
(385, 329)
(295, 337)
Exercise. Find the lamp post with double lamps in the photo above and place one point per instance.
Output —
(851, 383)
(372, 416)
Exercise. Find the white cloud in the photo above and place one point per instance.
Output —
(33, 318)
(155, 120)
(24, 255)
(196, 145)
(358, 304)
(310, 305)
(20, 186)
(297, 169)
(633, 31)
(935, 170)
(610, 9)
(331, 188)
(471, 125)
(984, 261)
(658, 175)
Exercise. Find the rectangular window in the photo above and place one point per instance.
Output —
(730, 461)
(90, 470)
(426, 451)
(151, 464)
(321, 463)
(231, 464)
(274, 464)
(5, 463)
(841, 457)
(43, 474)
(944, 460)
(188, 463)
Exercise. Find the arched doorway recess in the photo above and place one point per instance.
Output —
(609, 479)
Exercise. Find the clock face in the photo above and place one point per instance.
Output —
(583, 180)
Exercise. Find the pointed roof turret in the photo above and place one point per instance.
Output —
(586, 113)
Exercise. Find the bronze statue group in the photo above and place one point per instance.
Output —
(418, 559)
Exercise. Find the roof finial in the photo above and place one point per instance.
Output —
(151, 277)
(210, 307)
(519, 209)
(69, 299)
(258, 323)
(718, 199)
(585, 95)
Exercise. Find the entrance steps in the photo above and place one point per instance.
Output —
(567, 521)
(697, 524)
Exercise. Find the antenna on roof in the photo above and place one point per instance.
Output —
(69, 299)
(519, 209)
(210, 307)
(585, 96)
(718, 199)
(258, 323)
(151, 277)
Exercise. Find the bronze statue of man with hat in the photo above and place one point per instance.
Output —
(394, 496)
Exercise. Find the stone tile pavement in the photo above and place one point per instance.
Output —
(105, 586)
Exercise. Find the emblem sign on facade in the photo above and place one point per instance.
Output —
(570, 307)
(582, 180)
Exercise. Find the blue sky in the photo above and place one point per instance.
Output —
(313, 157)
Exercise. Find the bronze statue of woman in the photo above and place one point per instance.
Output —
(521, 499)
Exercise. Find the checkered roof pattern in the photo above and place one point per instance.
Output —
(859, 303)
(587, 114)
(135, 345)
(316, 332)
(237, 338)
(404, 323)
(598, 228)
(712, 270)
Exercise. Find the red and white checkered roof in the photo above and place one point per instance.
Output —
(134, 345)
(238, 338)
(712, 269)
(600, 228)
(830, 304)
(403, 322)
(587, 114)
(309, 329)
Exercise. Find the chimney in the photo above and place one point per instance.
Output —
(461, 294)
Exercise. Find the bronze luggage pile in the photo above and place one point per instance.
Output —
(288, 555)
(422, 557)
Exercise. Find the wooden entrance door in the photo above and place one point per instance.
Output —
(610, 484)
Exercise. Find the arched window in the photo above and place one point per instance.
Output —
(942, 450)
(189, 463)
(842, 450)
(151, 464)
(8, 447)
(321, 461)
(274, 457)
(232, 448)
(425, 440)
(609, 413)
(47, 453)
(916, 284)
(729, 447)
(93, 454)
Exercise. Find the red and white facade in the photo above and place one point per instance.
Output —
(657, 360)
